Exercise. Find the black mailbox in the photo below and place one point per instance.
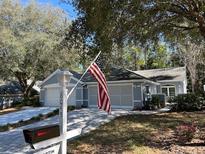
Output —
(38, 134)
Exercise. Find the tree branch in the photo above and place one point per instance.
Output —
(182, 27)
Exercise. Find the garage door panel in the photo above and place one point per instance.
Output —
(115, 100)
(120, 95)
(52, 97)
(93, 100)
(126, 90)
(114, 90)
(93, 90)
(126, 101)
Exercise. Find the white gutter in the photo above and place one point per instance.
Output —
(126, 81)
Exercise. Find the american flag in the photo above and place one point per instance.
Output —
(103, 97)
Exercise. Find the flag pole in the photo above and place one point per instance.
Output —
(83, 75)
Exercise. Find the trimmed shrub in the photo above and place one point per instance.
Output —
(56, 111)
(70, 108)
(33, 101)
(16, 104)
(188, 102)
(160, 99)
(155, 102)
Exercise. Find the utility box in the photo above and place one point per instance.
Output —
(38, 134)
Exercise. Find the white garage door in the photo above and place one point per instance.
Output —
(120, 95)
(52, 97)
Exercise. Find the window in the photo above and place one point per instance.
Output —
(172, 91)
(169, 90)
(165, 91)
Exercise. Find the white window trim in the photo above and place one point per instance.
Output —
(167, 87)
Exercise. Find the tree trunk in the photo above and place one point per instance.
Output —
(26, 89)
(135, 61)
(145, 58)
(193, 83)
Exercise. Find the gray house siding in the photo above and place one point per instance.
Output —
(158, 89)
(79, 96)
(180, 87)
(42, 96)
(137, 95)
(52, 80)
(73, 81)
(85, 96)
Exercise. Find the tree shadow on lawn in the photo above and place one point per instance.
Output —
(132, 132)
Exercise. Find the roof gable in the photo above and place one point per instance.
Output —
(53, 77)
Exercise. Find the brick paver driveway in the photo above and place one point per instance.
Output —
(86, 119)
(24, 114)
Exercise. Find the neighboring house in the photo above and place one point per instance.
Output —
(12, 87)
(126, 88)
(11, 91)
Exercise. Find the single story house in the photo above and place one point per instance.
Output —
(126, 87)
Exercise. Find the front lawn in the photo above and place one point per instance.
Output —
(140, 134)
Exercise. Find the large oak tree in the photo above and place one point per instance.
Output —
(102, 23)
(108, 25)
(30, 38)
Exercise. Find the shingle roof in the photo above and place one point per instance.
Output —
(164, 74)
(116, 74)
(12, 87)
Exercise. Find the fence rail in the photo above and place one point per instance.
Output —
(11, 95)
(6, 100)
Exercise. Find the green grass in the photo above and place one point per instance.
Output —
(140, 134)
